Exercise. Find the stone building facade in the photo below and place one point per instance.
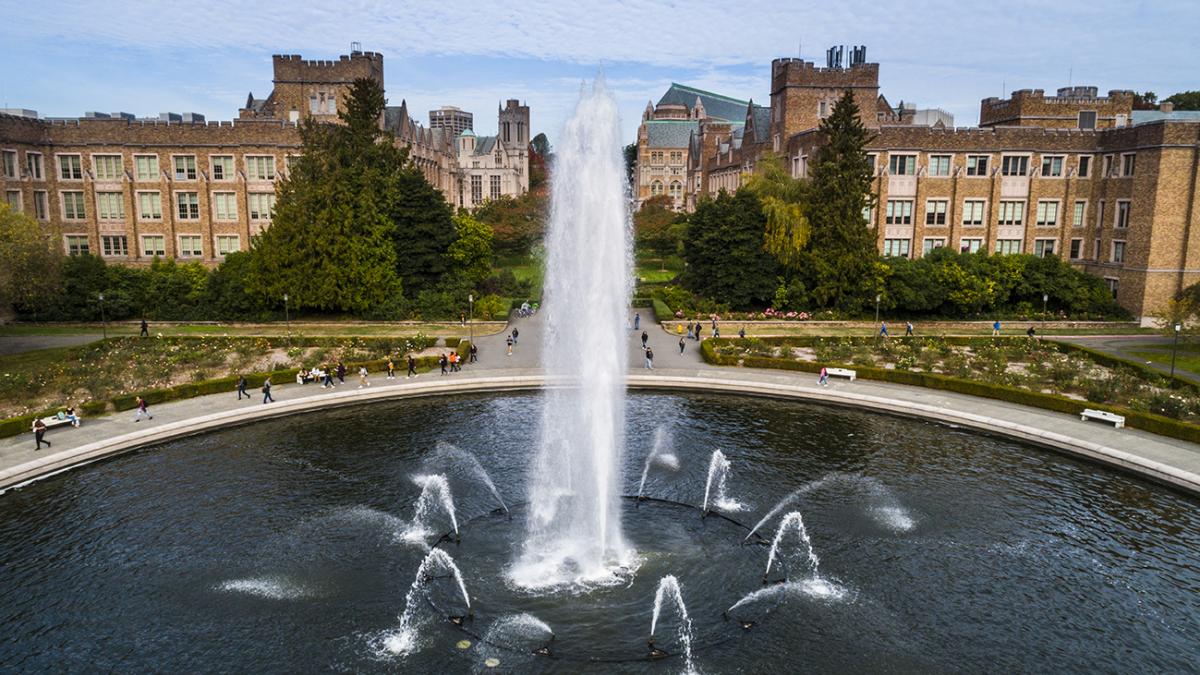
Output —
(1077, 175)
(131, 190)
(491, 167)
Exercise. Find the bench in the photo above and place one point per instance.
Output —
(842, 372)
(55, 421)
(1103, 416)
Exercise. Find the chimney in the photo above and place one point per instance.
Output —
(1166, 107)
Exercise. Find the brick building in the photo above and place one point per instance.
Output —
(177, 186)
(1077, 175)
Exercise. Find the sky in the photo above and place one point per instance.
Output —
(65, 57)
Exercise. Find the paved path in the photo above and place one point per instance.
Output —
(16, 344)
(1164, 458)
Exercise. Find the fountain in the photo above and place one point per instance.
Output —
(792, 521)
(885, 508)
(471, 462)
(574, 531)
(718, 472)
(435, 493)
(404, 639)
(660, 455)
(669, 591)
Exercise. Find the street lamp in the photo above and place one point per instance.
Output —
(877, 297)
(1045, 299)
(287, 316)
(471, 317)
(103, 319)
(1175, 347)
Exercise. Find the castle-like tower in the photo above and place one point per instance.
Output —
(312, 88)
(514, 123)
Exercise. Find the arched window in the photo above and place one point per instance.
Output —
(676, 189)
(656, 188)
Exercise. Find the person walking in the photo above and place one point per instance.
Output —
(266, 390)
(142, 410)
(716, 332)
(462, 319)
(883, 330)
(742, 332)
(341, 372)
(645, 339)
(637, 320)
(362, 377)
(1031, 333)
(509, 341)
(908, 329)
(823, 379)
(515, 334)
(474, 353)
(391, 369)
(145, 329)
(682, 344)
(442, 362)
(996, 328)
(241, 388)
(412, 367)
(39, 434)
(454, 362)
(689, 335)
(649, 359)
(328, 383)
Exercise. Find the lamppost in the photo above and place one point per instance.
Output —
(1175, 347)
(877, 297)
(287, 316)
(471, 317)
(1045, 299)
(103, 318)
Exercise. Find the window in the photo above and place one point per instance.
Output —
(13, 197)
(154, 245)
(935, 212)
(33, 162)
(107, 167)
(1087, 119)
(1043, 248)
(932, 243)
(1008, 246)
(227, 243)
(1096, 249)
(897, 248)
(262, 203)
(656, 188)
(1085, 165)
(1014, 165)
(902, 165)
(656, 157)
(939, 165)
(822, 109)
(973, 212)
(1113, 285)
(1127, 163)
(1118, 251)
(677, 157)
(977, 165)
(69, 167)
(110, 205)
(185, 167)
(476, 189)
(1080, 212)
(10, 163)
(494, 187)
(187, 205)
(145, 167)
(149, 206)
(899, 212)
(676, 189)
(868, 215)
(1100, 215)
(114, 245)
(1076, 249)
(221, 167)
(1012, 213)
(312, 104)
(1047, 213)
(499, 157)
(225, 205)
(971, 245)
(1052, 166)
(73, 206)
(189, 246)
(1108, 165)
(260, 167)
(77, 244)
(872, 160)
(1122, 213)
(41, 205)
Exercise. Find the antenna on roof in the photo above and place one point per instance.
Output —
(1071, 76)
(355, 47)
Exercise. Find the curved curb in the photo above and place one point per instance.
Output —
(43, 467)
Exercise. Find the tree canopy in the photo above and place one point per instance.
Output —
(783, 199)
(29, 276)
(724, 251)
(1185, 100)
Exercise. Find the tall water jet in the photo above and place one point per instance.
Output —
(718, 473)
(574, 534)
(435, 493)
(669, 591)
(792, 521)
(404, 639)
(660, 454)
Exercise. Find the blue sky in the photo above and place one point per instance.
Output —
(64, 57)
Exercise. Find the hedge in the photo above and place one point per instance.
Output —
(1156, 424)
(661, 311)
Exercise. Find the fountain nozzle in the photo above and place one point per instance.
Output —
(747, 625)
(542, 651)
(457, 620)
(655, 652)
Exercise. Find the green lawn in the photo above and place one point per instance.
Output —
(298, 328)
(730, 329)
(1188, 358)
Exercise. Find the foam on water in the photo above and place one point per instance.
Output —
(271, 588)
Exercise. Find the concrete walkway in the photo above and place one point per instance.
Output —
(1160, 458)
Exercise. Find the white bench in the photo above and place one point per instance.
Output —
(842, 372)
(1103, 416)
(54, 421)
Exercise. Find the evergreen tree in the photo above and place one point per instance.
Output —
(839, 264)
(423, 229)
(724, 251)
